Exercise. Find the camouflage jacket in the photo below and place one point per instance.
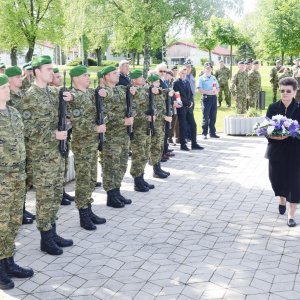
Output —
(274, 75)
(240, 84)
(115, 110)
(160, 107)
(223, 75)
(254, 81)
(26, 84)
(83, 115)
(40, 117)
(16, 100)
(12, 145)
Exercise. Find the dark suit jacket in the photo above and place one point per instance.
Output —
(185, 91)
(123, 80)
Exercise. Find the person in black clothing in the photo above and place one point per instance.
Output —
(185, 113)
(283, 152)
(124, 72)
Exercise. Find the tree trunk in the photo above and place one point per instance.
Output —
(230, 61)
(146, 53)
(282, 57)
(209, 55)
(138, 59)
(164, 50)
(29, 54)
(99, 56)
(133, 58)
(13, 56)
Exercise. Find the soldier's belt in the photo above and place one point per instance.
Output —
(207, 96)
(12, 168)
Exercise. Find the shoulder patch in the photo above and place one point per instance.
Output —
(76, 112)
(26, 114)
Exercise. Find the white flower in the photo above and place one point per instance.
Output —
(270, 129)
(264, 123)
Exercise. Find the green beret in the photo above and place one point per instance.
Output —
(136, 74)
(153, 77)
(41, 60)
(28, 68)
(2, 66)
(55, 70)
(105, 71)
(78, 71)
(13, 71)
(3, 79)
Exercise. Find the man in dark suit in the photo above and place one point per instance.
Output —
(185, 113)
(124, 72)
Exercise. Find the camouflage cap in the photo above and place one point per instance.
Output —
(136, 74)
(13, 71)
(278, 61)
(105, 71)
(241, 62)
(41, 60)
(3, 79)
(55, 70)
(207, 65)
(2, 66)
(26, 65)
(78, 71)
(249, 61)
(256, 62)
(28, 68)
(153, 77)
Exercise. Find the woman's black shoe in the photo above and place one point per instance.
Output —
(282, 209)
(291, 223)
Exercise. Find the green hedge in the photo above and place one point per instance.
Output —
(92, 62)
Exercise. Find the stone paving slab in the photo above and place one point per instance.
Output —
(210, 231)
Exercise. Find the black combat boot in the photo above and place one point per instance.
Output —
(167, 173)
(122, 198)
(85, 220)
(26, 218)
(5, 282)
(98, 184)
(113, 199)
(48, 244)
(14, 270)
(65, 201)
(95, 219)
(157, 172)
(150, 186)
(29, 215)
(139, 185)
(68, 197)
(61, 242)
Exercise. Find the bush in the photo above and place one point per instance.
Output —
(109, 63)
(253, 112)
(77, 61)
(92, 62)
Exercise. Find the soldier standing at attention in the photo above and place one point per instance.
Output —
(274, 79)
(12, 188)
(240, 88)
(14, 75)
(84, 145)
(40, 116)
(254, 84)
(116, 147)
(223, 76)
(140, 145)
(249, 65)
(2, 68)
(57, 82)
(28, 76)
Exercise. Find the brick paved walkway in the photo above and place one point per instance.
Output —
(211, 231)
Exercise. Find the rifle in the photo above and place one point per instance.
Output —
(62, 112)
(129, 110)
(151, 127)
(99, 116)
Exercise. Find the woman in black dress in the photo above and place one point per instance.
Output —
(284, 152)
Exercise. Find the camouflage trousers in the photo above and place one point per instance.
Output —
(114, 160)
(157, 144)
(48, 175)
(140, 148)
(253, 100)
(241, 104)
(224, 89)
(29, 168)
(274, 89)
(12, 197)
(86, 161)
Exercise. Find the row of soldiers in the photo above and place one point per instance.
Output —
(29, 133)
(245, 85)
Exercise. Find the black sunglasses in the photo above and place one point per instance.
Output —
(285, 91)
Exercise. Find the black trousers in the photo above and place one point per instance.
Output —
(185, 119)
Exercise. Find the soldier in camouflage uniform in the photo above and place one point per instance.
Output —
(2, 68)
(157, 141)
(84, 145)
(140, 145)
(296, 66)
(40, 116)
(116, 147)
(28, 76)
(14, 75)
(12, 188)
(249, 65)
(240, 88)
(274, 79)
(223, 76)
(254, 84)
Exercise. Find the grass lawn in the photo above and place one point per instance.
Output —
(222, 111)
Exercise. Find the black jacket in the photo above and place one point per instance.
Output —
(185, 91)
(123, 80)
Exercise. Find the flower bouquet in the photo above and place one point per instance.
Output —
(278, 126)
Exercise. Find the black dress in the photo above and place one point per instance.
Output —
(284, 156)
